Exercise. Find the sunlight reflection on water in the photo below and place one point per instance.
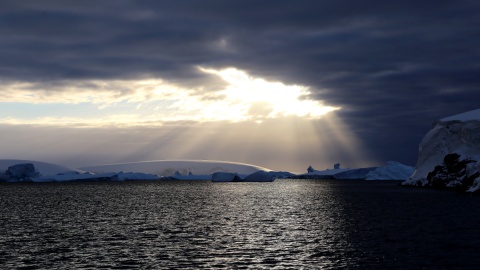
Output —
(284, 224)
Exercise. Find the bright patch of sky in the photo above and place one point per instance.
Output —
(155, 101)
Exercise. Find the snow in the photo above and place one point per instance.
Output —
(333, 173)
(184, 167)
(446, 137)
(42, 167)
(467, 116)
(355, 174)
(391, 171)
(217, 171)
(139, 171)
(476, 186)
(459, 134)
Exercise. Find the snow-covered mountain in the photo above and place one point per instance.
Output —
(449, 153)
(184, 167)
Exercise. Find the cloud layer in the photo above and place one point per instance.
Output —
(393, 67)
(155, 101)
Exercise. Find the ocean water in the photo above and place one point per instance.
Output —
(287, 224)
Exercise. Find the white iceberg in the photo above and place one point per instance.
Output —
(354, 174)
(183, 167)
(43, 168)
(455, 138)
(391, 171)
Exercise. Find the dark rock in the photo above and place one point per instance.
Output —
(451, 174)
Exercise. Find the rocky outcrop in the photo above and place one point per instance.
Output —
(454, 172)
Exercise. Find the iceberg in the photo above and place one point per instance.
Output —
(121, 176)
(75, 177)
(325, 174)
(43, 168)
(111, 176)
(449, 154)
(183, 167)
(21, 172)
(260, 176)
(355, 174)
(391, 171)
(225, 177)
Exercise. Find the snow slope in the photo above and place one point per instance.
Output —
(43, 168)
(391, 171)
(467, 116)
(458, 134)
(184, 167)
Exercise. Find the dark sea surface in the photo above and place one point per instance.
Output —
(287, 224)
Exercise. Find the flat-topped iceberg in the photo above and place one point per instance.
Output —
(29, 172)
(183, 167)
(392, 170)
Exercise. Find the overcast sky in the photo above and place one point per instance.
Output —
(280, 84)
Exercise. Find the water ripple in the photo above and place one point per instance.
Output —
(202, 225)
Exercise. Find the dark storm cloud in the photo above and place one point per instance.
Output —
(394, 66)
